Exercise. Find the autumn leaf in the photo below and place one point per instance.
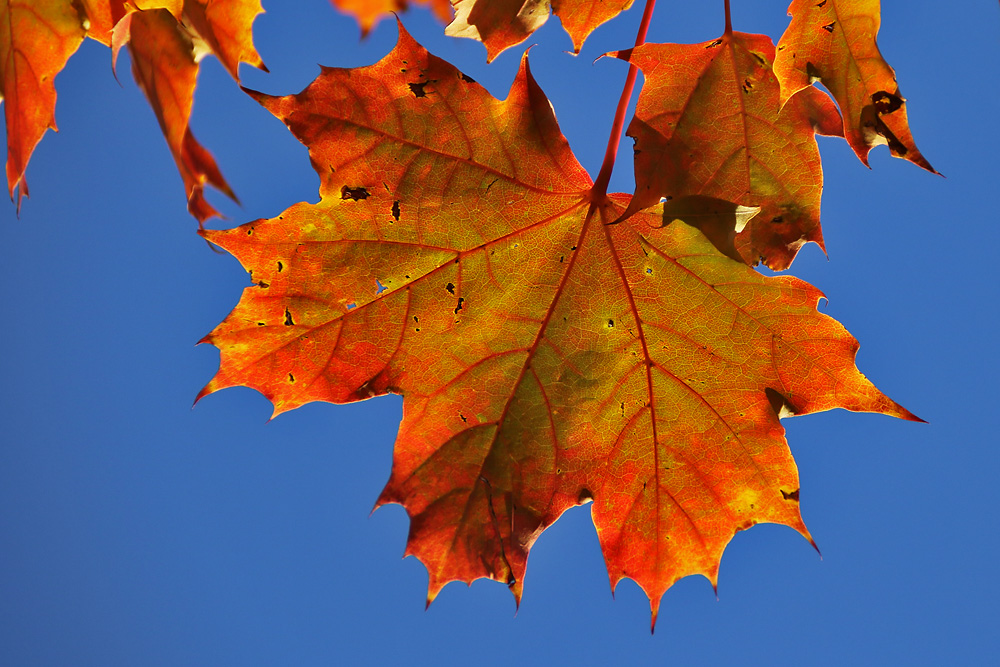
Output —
(546, 357)
(833, 41)
(36, 40)
(708, 123)
(103, 16)
(166, 39)
(165, 56)
(500, 24)
(164, 67)
(370, 12)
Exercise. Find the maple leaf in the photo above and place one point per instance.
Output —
(500, 24)
(370, 12)
(36, 40)
(708, 123)
(166, 39)
(833, 41)
(546, 357)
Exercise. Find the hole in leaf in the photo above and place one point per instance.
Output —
(354, 193)
(886, 102)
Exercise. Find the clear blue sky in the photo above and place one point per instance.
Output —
(137, 530)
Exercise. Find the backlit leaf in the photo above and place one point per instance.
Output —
(500, 24)
(370, 12)
(36, 40)
(164, 67)
(546, 357)
(833, 41)
(708, 123)
(167, 38)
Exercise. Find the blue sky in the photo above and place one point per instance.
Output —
(137, 530)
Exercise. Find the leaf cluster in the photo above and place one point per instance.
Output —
(555, 345)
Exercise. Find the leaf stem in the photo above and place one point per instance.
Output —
(729, 19)
(600, 189)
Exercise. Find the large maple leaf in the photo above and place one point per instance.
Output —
(547, 358)
(166, 39)
(833, 41)
(709, 123)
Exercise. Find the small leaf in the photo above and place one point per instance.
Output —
(834, 42)
(163, 65)
(708, 123)
(370, 12)
(36, 40)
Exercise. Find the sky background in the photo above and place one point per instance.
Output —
(137, 530)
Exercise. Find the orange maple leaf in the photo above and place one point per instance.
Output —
(708, 123)
(500, 24)
(370, 12)
(547, 358)
(833, 41)
(36, 40)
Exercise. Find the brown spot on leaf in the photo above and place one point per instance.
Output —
(794, 495)
(450, 287)
(288, 318)
(829, 26)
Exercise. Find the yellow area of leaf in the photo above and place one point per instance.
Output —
(546, 357)
(709, 122)
(833, 41)
(370, 12)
